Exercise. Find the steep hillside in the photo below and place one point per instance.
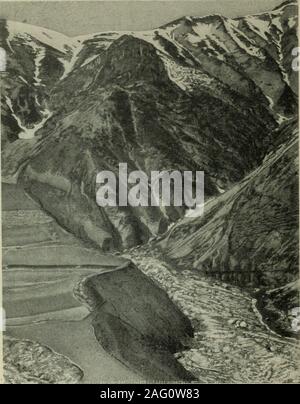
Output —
(133, 116)
(248, 235)
(280, 308)
(36, 59)
(212, 94)
(201, 93)
(250, 56)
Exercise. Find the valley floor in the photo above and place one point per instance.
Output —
(50, 323)
(231, 344)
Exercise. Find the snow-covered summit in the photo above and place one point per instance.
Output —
(45, 36)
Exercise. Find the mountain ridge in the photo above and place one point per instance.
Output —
(131, 98)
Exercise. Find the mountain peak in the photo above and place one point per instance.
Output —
(46, 36)
(286, 3)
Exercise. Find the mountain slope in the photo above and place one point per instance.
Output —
(137, 116)
(249, 234)
(201, 93)
(249, 55)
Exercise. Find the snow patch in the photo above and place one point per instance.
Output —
(69, 64)
(203, 30)
(293, 22)
(89, 60)
(22, 79)
(281, 119)
(259, 26)
(197, 212)
(148, 36)
(28, 133)
(236, 34)
(40, 53)
(209, 46)
(177, 79)
(193, 39)
(276, 22)
(186, 78)
(104, 38)
(2, 60)
(48, 37)
(221, 190)
(271, 102)
(275, 12)
(278, 43)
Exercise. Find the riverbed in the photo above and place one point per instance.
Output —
(232, 344)
(45, 270)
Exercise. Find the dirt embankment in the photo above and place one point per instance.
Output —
(137, 323)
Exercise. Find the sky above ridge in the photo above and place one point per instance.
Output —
(83, 17)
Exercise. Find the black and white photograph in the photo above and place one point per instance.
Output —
(150, 193)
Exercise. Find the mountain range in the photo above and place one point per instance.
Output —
(200, 93)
